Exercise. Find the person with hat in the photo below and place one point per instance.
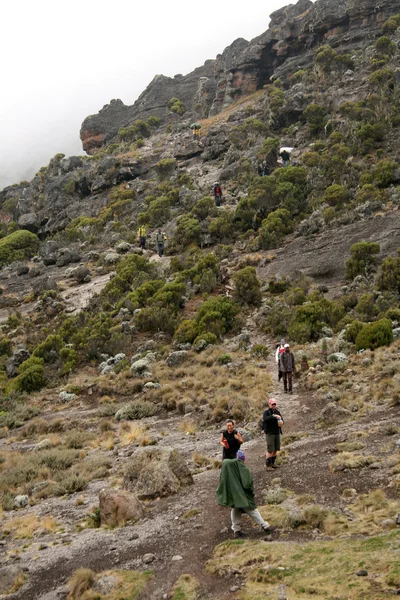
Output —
(235, 489)
(272, 427)
(287, 366)
(280, 347)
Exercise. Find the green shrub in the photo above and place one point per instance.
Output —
(205, 207)
(224, 359)
(176, 106)
(17, 246)
(335, 195)
(141, 295)
(382, 78)
(154, 319)
(353, 330)
(131, 272)
(247, 286)
(389, 275)
(362, 258)
(278, 286)
(165, 167)
(383, 173)
(274, 228)
(371, 135)
(50, 348)
(210, 338)
(188, 231)
(374, 335)
(186, 332)
(217, 315)
(384, 45)
(298, 76)
(5, 346)
(366, 307)
(222, 229)
(260, 351)
(315, 115)
(138, 409)
(248, 132)
(31, 376)
(69, 188)
(391, 25)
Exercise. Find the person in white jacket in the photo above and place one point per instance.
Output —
(280, 348)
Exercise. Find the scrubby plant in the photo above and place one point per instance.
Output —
(370, 135)
(5, 346)
(335, 195)
(157, 213)
(374, 335)
(138, 409)
(389, 274)
(384, 45)
(17, 246)
(247, 133)
(391, 25)
(131, 272)
(224, 359)
(247, 286)
(49, 349)
(30, 376)
(362, 260)
(205, 207)
(217, 316)
(383, 173)
(186, 332)
(316, 117)
(222, 229)
(274, 228)
(353, 330)
(176, 106)
(188, 231)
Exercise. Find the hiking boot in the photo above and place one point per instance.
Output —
(269, 467)
(274, 466)
(238, 534)
(270, 529)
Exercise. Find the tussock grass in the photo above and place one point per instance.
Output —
(26, 526)
(186, 588)
(128, 585)
(350, 446)
(348, 460)
(275, 495)
(318, 569)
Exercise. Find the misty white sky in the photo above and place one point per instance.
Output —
(62, 61)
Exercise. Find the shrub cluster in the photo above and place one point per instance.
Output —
(17, 246)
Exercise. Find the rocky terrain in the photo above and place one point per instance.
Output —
(119, 367)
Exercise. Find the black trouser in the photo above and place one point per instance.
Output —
(143, 242)
(287, 381)
(218, 200)
(160, 248)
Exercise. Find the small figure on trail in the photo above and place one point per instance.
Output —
(285, 156)
(271, 425)
(160, 241)
(230, 440)
(279, 349)
(217, 191)
(235, 489)
(196, 128)
(142, 237)
(287, 366)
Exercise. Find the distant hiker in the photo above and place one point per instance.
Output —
(196, 134)
(160, 241)
(287, 366)
(285, 156)
(235, 489)
(271, 425)
(280, 348)
(230, 440)
(217, 191)
(142, 237)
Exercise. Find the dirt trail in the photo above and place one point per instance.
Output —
(167, 533)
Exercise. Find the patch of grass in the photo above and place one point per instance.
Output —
(128, 585)
(275, 496)
(27, 526)
(311, 570)
(350, 446)
(348, 460)
(186, 588)
(191, 513)
(187, 426)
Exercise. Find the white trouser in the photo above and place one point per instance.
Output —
(236, 514)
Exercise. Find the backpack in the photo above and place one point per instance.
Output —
(217, 190)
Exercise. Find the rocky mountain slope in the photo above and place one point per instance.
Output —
(118, 367)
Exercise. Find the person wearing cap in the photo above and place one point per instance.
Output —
(235, 489)
(279, 349)
(287, 366)
(271, 425)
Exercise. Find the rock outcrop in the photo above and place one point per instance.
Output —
(118, 507)
(244, 67)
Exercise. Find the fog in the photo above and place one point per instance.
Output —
(63, 61)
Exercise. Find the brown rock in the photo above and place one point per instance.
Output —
(117, 507)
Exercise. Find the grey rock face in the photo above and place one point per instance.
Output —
(29, 221)
(16, 359)
(140, 367)
(177, 358)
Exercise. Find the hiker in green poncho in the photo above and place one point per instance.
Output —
(235, 489)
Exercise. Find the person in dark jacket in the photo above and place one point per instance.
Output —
(217, 192)
(235, 489)
(287, 367)
(230, 440)
(271, 425)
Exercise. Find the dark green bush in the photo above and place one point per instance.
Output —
(17, 246)
(131, 272)
(384, 45)
(391, 25)
(374, 335)
(188, 231)
(383, 173)
(222, 229)
(186, 332)
(5, 346)
(371, 135)
(217, 315)
(176, 106)
(50, 348)
(389, 275)
(366, 307)
(205, 207)
(274, 228)
(165, 167)
(278, 286)
(315, 115)
(210, 338)
(362, 260)
(353, 330)
(157, 213)
(154, 319)
(224, 359)
(335, 195)
(247, 287)
(31, 376)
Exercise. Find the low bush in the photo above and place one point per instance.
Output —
(362, 260)
(205, 207)
(274, 228)
(138, 409)
(176, 106)
(165, 167)
(5, 346)
(18, 246)
(224, 359)
(217, 316)
(374, 335)
(157, 213)
(389, 274)
(188, 231)
(247, 287)
(31, 377)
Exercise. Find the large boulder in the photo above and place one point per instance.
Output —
(177, 358)
(16, 359)
(155, 472)
(29, 221)
(118, 507)
(333, 414)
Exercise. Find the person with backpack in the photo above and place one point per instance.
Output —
(230, 440)
(217, 191)
(160, 241)
(142, 237)
(235, 489)
(272, 427)
(279, 350)
(285, 156)
(287, 367)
